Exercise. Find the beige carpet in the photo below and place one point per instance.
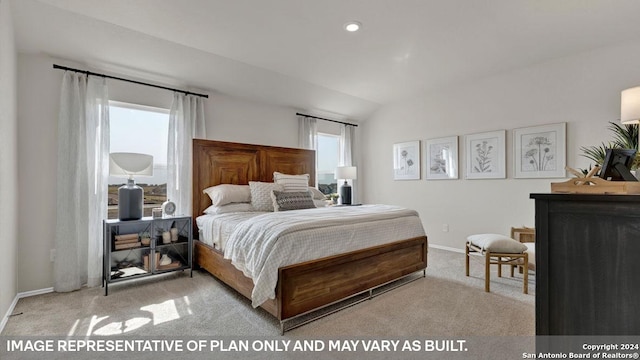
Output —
(444, 303)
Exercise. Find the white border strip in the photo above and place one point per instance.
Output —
(15, 302)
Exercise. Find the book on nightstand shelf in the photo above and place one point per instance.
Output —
(172, 265)
(128, 245)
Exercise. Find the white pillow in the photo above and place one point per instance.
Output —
(234, 207)
(261, 195)
(320, 203)
(316, 194)
(292, 183)
(228, 193)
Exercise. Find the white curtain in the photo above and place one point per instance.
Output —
(308, 137)
(348, 155)
(186, 122)
(98, 133)
(307, 133)
(83, 150)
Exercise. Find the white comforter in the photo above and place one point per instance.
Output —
(266, 242)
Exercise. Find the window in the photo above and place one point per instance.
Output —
(328, 159)
(140, 129)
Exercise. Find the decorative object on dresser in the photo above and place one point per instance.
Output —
(617, 165)
(346, 173)
(588, 184)
(130, 196)
(132, 249)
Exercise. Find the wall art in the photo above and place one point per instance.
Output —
(406, 160)
(540, 151)
(442, 158)
(485, 155)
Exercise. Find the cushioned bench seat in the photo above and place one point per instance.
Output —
(498, 250)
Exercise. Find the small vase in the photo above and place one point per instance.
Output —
(174, 234)
(166, 237)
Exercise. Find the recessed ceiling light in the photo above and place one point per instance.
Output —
(352, 26)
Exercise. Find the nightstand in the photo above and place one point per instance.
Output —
(150, 246)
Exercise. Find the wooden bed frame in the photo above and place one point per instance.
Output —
(302, 287)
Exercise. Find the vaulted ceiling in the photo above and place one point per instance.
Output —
(296, 52)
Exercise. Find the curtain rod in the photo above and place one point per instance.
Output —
(319, 118)
(55, 66)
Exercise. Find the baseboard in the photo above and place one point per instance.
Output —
(19, 296)
(447, 248)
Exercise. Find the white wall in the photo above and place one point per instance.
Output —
(228, 119)
(8, 161)
(583, 91)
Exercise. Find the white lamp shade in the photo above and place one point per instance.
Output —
(346, 172)
(630, 106)
(129, 164)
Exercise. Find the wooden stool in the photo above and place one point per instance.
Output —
(498, 250)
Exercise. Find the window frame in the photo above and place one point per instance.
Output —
(147, 207)
(338, 156)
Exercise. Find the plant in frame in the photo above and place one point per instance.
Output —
(539, 154)
(483, 158)
(439, 162)
(408, 162)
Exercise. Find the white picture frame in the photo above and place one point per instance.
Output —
(442, 158)
(485, 155)
(540, 151)
(406, 160)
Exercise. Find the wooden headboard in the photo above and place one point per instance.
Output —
(219, 162)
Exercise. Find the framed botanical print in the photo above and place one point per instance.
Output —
(540, 151)
(442, 158)
(406, 160)
(485, 155)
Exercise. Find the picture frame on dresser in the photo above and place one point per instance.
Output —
(406, 160)
(540, 151)
(485, 156)
(442, 158)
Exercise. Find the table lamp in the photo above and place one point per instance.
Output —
(130, 196)
(630, 106)
(346, 173)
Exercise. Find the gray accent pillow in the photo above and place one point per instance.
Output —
(283, 201)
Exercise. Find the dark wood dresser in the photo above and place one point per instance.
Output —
(587, 264)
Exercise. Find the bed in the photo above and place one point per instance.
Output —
(301, 287)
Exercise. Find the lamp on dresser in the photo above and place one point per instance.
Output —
(130, 195)
(630, 106)
(346, 173)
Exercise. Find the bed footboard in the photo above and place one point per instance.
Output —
(314, 284)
